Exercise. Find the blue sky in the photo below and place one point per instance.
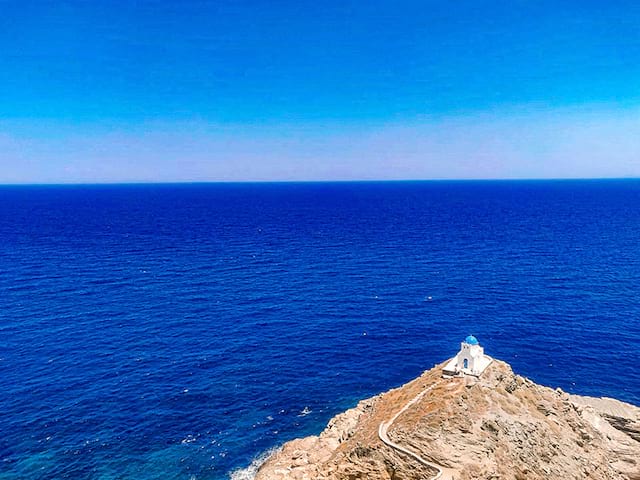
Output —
(206, 91)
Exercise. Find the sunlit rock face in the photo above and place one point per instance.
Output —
(496, 426)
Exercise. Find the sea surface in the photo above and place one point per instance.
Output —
(181, 331)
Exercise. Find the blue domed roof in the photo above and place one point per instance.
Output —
(471, 340)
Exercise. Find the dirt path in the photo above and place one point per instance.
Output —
(443, 472)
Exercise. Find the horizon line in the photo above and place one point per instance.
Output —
(342, 181)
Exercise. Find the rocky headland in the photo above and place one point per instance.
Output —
(499, 426)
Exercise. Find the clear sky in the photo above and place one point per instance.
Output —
(97, 91)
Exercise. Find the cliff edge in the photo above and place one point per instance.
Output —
(499, 426)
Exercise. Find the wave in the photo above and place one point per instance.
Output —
(304, 412)
(249, 472)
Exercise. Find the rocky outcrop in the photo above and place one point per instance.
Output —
(500, 426)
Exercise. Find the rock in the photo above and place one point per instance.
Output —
(500, 426)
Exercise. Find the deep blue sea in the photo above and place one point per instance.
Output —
(179, 331)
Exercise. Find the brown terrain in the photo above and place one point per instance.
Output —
(500, 426)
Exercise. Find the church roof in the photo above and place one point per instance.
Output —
(471, 340)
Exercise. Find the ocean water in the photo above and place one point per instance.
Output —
(182, 331)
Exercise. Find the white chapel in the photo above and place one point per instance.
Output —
(470, 360)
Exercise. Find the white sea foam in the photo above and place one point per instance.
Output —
(249, 472)
(305, 411)
(189, 439)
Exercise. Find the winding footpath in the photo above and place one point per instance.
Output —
(443, 472)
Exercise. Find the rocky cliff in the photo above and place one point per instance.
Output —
(500, 426)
